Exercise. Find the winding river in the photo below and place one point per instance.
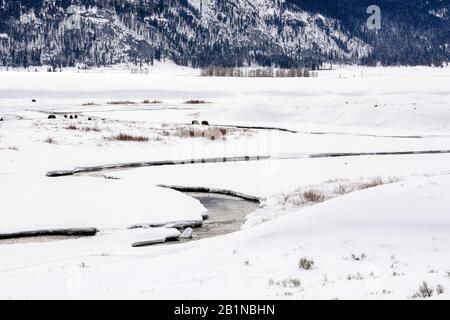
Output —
(226, 214)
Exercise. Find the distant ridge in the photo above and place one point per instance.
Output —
(283, 33)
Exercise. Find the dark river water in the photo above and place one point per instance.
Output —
(226, 214)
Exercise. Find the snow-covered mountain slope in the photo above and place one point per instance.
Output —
(215, 32)
(438, 8)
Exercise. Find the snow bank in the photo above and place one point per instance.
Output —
(267, 178)
(380, 243)
(398, 233)
(370, 100)
(90, 202)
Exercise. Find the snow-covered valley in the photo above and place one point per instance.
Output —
(353, 174)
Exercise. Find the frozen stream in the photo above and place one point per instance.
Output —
(226, 214)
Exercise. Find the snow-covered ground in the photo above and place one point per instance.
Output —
(377, 243)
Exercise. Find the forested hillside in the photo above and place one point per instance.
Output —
(200, 33)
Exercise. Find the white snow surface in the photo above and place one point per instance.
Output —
(88, 202)
(379, 243)
(401, 230)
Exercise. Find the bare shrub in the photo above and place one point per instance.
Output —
(392, 180)
(85, 129)
(284, 199)
(125, 102)
(257, 72)
(91, 129)
(345, 188)
(374, 182)
(440, 289)
(314, 196)
(306, 264)
(360, 257)
(110, 177)
(194, 101)
(87, 104)
(50, 140)
(424, 291)
(13, 148)
(302, 198)
(210, 133)
(356, 276)
(349, 187)
(127, 137)
(295, 283)
(292, 282)
(151, 102)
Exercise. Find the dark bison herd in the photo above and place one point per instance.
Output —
(196, 122)
(66, 116)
